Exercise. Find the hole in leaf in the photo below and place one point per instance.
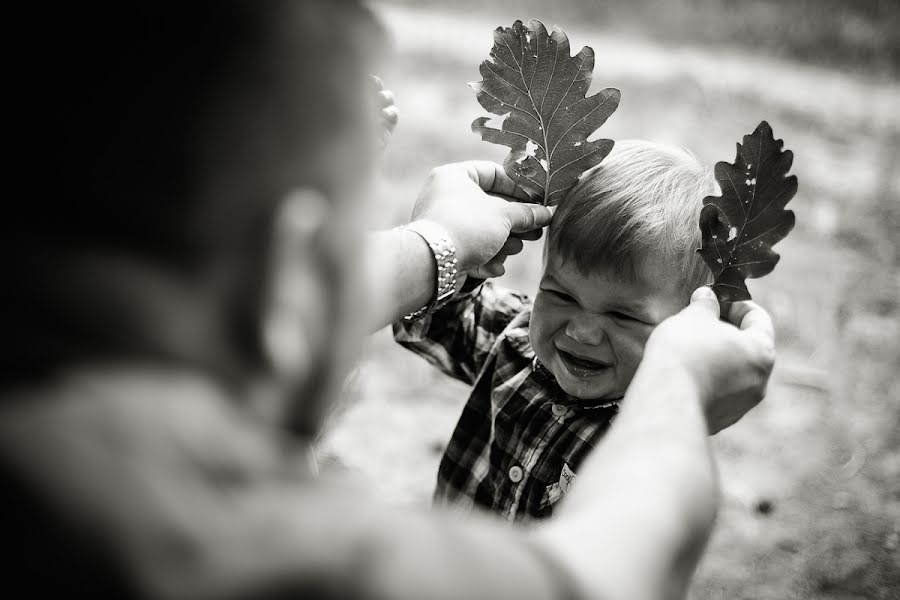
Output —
(497, 122)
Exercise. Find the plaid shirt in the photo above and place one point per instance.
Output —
(520, 438)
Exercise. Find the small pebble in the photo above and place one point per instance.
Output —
(764, 507)
(788, 545)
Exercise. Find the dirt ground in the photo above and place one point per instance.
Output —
(811, 477)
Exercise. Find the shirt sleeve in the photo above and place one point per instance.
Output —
(459, 337)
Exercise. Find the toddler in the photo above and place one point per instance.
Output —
(547, 374)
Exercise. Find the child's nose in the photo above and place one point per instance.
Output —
(586, 329)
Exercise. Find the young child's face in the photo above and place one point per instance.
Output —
(590, 331)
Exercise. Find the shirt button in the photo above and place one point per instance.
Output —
(515, 474)
(559, 410)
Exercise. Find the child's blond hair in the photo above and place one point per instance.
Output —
(643, 199)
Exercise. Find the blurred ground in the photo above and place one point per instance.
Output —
(812, 476)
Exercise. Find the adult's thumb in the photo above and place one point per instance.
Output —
(705, 299)
(527, 217)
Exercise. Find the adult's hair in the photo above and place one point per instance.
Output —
(162, 134)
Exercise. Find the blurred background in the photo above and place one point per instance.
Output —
(811, 477)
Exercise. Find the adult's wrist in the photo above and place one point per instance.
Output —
(667, 369)
(399, 273)
(442, 250)
(461, 247)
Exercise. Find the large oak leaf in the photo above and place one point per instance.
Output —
(740, 226)
(539, 93)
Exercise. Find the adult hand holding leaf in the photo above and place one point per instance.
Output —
(740, 226)
(539, 91)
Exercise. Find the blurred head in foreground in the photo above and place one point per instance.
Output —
(620, 257)
(195, 174)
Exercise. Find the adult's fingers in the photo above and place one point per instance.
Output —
(534, 234)
(491, 177)
(704, 299)
(754, 320)
(513, 245)
(527, 217)
(493, 268)
(386, 98)
(391, 114)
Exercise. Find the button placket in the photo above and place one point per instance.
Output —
(561, 412)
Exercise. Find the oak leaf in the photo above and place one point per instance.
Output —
(538, 92)
(740, 227)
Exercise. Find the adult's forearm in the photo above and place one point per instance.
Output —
(635, 524)
(400, 274)
(263, 533)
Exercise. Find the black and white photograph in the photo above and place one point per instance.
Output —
(452, 299)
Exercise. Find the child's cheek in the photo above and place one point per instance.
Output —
(543, 326)
(538, 317)
(632, 345)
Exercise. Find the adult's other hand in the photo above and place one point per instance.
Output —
(730, 362)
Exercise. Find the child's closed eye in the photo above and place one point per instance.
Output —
(631, 319)
(621, 316)
(558, 295)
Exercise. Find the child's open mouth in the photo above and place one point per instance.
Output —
(579, 366)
